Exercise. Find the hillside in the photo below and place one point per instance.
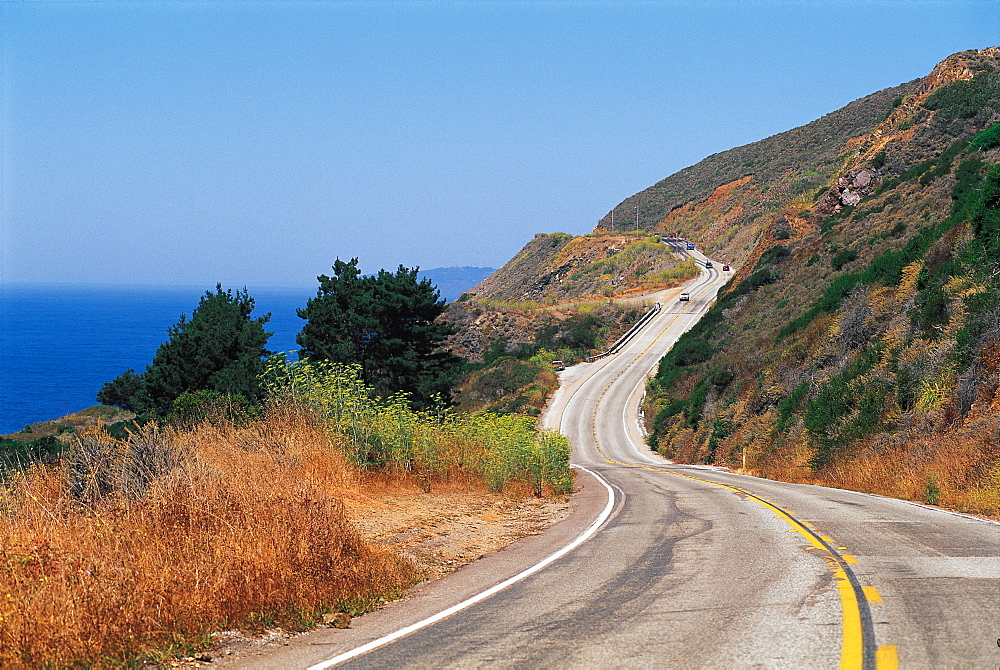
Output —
(559, 267)
(859, 345)
(724, 201)
(560, 299)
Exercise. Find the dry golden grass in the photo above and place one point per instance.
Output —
(951, 464)
(958, 469)
(245, 529)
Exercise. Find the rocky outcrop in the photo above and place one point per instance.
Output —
(849, 190)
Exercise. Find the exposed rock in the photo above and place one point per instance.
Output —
(849, 198)
(337, 620)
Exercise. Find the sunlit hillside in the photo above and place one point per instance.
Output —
(859, 344)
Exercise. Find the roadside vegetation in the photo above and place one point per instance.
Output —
(216, 498)
(861, 349)
(560, 300)
(517, 367)
(137, 548)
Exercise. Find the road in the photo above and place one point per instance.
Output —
(699, 567)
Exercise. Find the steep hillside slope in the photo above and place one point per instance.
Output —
(859, 345)
(560, 299)
(729, 199)
(559, 267)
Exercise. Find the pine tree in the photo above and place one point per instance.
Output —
(386, 323)
(219, 349)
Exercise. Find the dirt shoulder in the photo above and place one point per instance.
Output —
(444, 530)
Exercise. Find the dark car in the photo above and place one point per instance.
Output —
(708, 264)
(725, 268)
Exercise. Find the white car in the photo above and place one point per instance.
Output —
(685, 297)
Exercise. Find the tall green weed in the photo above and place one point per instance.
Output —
(386, 434)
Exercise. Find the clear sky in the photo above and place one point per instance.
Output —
(252, 143)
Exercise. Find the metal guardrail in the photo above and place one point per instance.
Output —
(629, 334)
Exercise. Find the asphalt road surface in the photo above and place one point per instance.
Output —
(683, 566)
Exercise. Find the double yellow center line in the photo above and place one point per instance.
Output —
(858, 650)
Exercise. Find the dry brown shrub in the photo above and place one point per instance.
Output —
(246, 530)
(957, 467)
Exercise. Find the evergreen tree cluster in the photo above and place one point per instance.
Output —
(221, 349)
(386, 323)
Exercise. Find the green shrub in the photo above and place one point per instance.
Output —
(986, 140)
(691, 351)
(828, 418)
(787, 406)
(965, 99)
(932, 492)
(775, 254)
(843, 258)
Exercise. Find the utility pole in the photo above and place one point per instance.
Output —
(637, 219)
(612, 220)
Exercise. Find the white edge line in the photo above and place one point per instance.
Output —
(402, 632)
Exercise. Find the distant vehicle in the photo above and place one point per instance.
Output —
(685, 297)
(690, 245)
(559, 366)
(708, 264)
(725, 268)
(673, 234)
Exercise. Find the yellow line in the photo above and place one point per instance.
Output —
(886, 657)
(871, 594)
(852, 652)
(851, 646)
(851, 643)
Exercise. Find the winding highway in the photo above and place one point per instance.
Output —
(672, 566)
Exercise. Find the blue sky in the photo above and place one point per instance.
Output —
(252, 143)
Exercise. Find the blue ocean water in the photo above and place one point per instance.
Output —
(59, 344)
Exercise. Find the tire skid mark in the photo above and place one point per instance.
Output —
(858, 649)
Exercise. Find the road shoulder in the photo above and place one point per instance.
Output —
(430, 597)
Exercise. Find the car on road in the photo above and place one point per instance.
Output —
(690, 245)
(708, 264)
(685, 297)
(725, 268)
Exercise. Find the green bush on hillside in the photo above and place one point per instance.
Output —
(843, 258)
(844, 410)
(966, 99)
(986, 140)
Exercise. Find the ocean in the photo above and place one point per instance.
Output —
(59, 344)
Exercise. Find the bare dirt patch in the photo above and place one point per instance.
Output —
(444, 530)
